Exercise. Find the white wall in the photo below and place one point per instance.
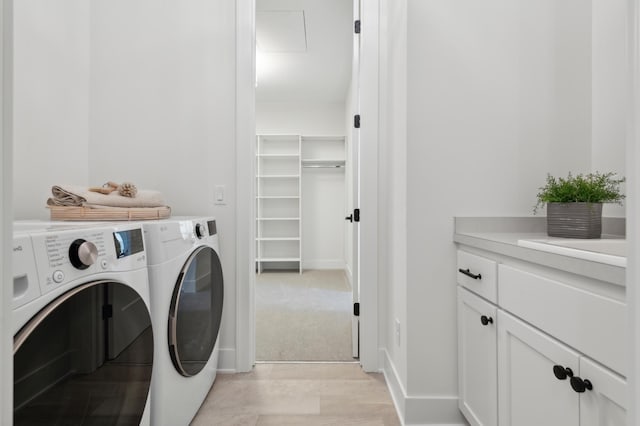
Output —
(348, 179)
(51, 109)
(139, 91)
(323, 190)
(393, 180)
(497, 95)
(162, 116)
(610, 90)
(303, 118)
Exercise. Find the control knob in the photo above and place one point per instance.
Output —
(199, 231)
(82, 253)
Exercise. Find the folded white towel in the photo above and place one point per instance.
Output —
(80, 196)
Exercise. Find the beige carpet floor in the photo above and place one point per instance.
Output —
(303, 317)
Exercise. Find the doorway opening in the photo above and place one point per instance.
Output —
(306, 181)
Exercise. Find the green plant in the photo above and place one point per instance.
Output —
(591, 188)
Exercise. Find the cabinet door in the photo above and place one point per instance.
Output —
(529, 392)
(477, 359)
(605, 404)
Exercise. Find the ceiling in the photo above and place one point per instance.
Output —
(303, 51)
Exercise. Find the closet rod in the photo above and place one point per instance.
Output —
(318, 166)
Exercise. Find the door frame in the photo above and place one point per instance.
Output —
(245, 185)
(6, 211)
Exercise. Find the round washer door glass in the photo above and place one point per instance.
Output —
(196, 311)
(85, 359)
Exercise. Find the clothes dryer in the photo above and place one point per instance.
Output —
(187, 290)
(83, 341)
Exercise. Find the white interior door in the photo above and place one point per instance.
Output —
(355, 185)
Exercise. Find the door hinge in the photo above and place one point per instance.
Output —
(356, 121)
(356, 309)
(107, 311)
(356, 26)
(356, 215)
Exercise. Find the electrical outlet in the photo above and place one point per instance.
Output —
(397, 332)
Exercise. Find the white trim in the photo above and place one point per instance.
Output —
(633, 209)
(348, 273)
(245, 184)
(227, 360)
(323, 264)
(369, 111)
(420, 410)
(6, 212)
(245, 153)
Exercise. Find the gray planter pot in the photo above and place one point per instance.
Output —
(574, 220)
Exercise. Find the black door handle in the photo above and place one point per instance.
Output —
(349, 218)
(579, 385)
(485, 320)
(561, 372)
(470, 274)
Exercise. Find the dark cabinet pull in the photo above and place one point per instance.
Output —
(580, 385)
(349, 218)
(470, 274)
(561, 372)
(485, 320)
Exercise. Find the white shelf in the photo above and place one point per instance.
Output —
(278, 239)
(277, 197)
(277, 156)
(277, 218)
(278, 176)
(278, 259)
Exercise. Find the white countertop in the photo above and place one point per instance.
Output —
(502, 236)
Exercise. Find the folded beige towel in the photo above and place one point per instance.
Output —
(80, 196)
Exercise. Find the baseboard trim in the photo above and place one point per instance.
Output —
(227, 360)
(420, 410)
(323, 264)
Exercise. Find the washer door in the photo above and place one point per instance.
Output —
(66, 370)
(196, 311)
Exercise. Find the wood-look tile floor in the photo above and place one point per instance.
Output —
(299, 394)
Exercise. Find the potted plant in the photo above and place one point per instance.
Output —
(574, 203)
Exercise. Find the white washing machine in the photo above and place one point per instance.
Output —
(83, 340)
(187, 290)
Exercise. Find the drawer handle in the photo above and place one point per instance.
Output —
(562, 373)
(485, 320)
(579, 385)
(470, 274)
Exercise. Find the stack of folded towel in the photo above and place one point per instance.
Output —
(79, 196)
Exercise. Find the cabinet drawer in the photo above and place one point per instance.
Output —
(588, 322)
(478, 274)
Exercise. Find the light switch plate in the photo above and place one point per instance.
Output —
(219, 196)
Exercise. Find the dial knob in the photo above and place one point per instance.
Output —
(199, 230)
(82, 253)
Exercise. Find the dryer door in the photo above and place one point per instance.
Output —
(196, 311)
(63, 374)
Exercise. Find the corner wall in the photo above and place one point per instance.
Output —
(498, 94)
(51, 101)
(163, 116)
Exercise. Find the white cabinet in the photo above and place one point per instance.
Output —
(477, 366)
(530, 393)
(604, 405)
(553, 353)
(584, 394)
(278, 201)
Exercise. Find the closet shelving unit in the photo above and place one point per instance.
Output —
(323, 152)
(278, 201)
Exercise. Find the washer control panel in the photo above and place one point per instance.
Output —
(64, 256)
